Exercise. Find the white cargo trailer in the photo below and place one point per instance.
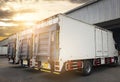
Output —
(3, 50)
(62, 43)
(13, 48)
(25, 46)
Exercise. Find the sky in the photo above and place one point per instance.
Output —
(16, 16)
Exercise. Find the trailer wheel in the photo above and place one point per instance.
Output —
(87, 68)
(13, 60)
(118, 60)
(17, 62)
(21, 62)
(115, 63)
(28, 62)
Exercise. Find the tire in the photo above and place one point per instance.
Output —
(13, 60)
(28, 62)
(22, 62)
(87, 68)
(118, 60)
(17, 62)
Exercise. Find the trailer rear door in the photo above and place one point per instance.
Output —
(46, 45)
(12, 48)
(25, 47)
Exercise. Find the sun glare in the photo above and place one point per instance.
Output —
(25, 14)
(23, 17)
(28, 19)
(7, 24)
(14, 5)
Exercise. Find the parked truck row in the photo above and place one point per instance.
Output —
(61, 43)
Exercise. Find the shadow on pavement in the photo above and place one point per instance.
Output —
(31, 70)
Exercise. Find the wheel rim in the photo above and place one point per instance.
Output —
(88, 68)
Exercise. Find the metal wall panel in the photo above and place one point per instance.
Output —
(4, 42)
(103, 10)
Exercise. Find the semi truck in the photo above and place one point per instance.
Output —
(62, 43)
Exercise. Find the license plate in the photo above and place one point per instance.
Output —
(25, 62)
(45, 65)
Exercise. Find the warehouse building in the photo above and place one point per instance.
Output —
(103, 13)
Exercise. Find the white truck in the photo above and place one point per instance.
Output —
(3, 50)
(62, 43)
(25, 46)
(13, 48)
